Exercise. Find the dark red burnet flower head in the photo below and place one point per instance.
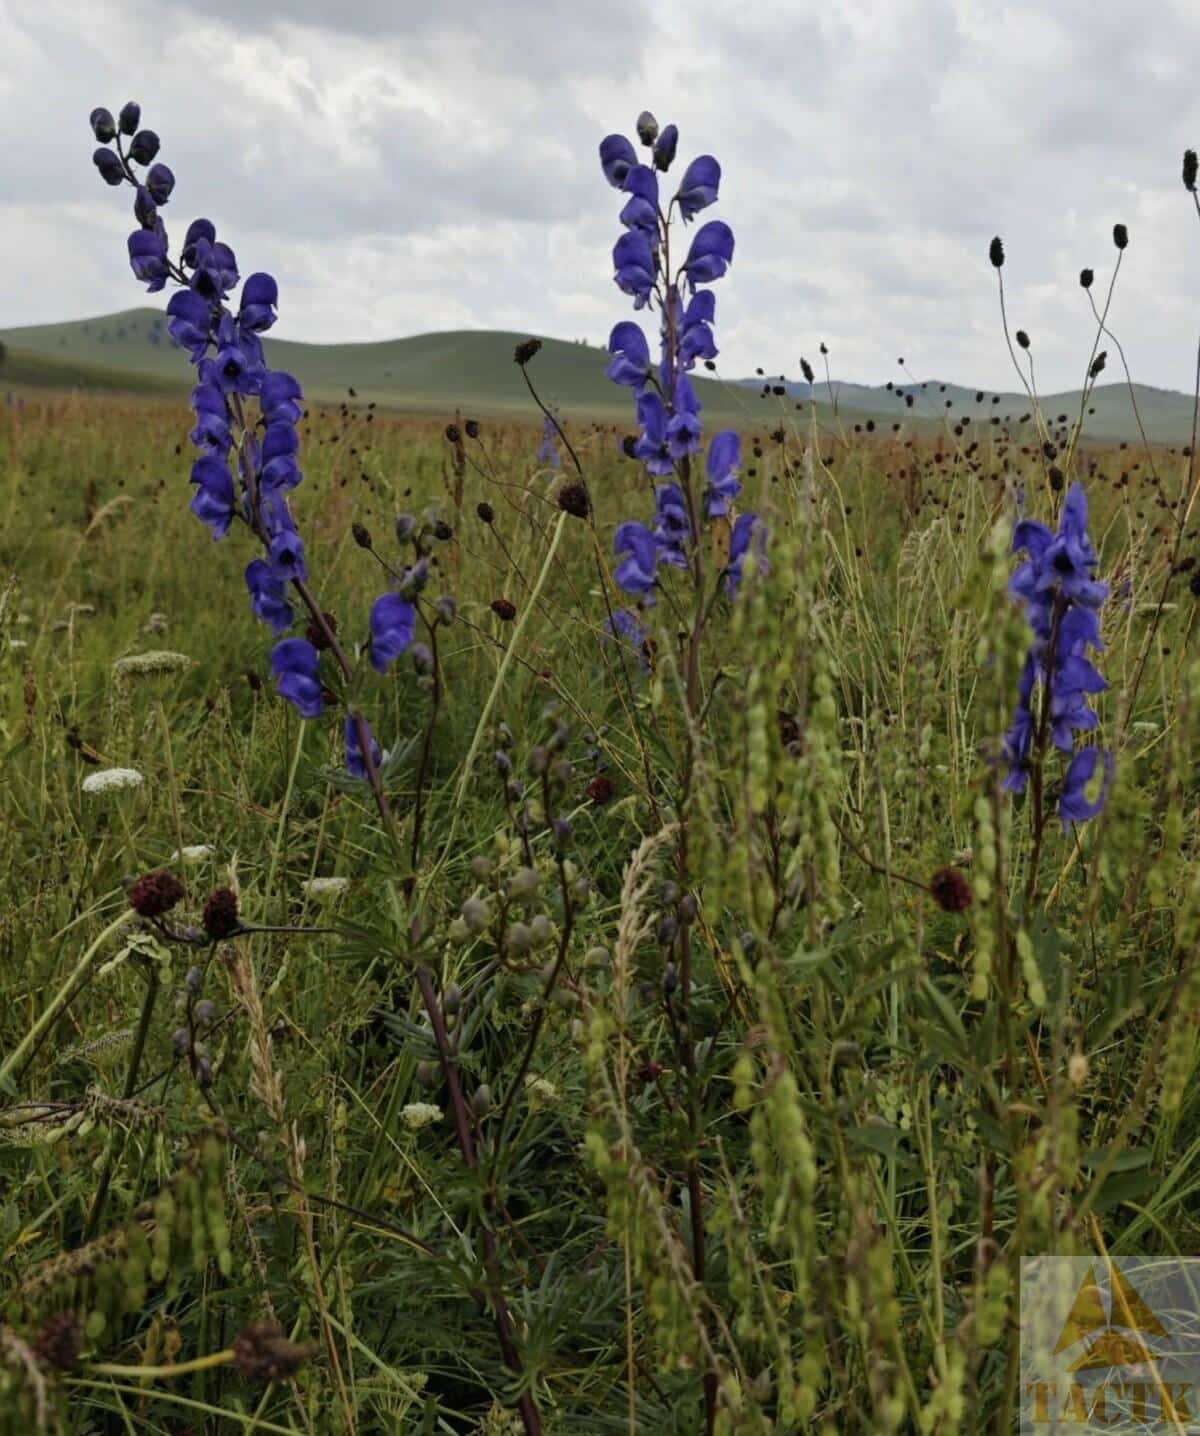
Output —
(600, 789)
(155, 893)
(504, 609)
(220, 917)
(575, 500)
(950, 889)
(60, 1341)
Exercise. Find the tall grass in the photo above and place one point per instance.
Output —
(791, 1188)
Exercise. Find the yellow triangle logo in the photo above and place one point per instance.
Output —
(1088, 1317)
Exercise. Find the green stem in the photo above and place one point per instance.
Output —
(60, 999)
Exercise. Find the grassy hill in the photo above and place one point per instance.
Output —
(473, 370)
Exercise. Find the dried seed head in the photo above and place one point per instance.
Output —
(951, 890)
(807, 370)
(600, 789)
(264, 1354)
(59, 1341)
(316, 634)
(575, 500)
(220, 917)
(155, 893)
(525, 351)
(1098, 364)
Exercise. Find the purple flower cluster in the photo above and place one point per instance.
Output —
(246, 414)
(1062, 599)
(668, 411)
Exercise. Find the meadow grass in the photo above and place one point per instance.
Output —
(790, 1187)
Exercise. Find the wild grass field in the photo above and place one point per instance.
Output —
(876, 1101)
(631, 928)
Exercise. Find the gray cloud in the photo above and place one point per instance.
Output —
(405, 168)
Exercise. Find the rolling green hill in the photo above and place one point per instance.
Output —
(470, 370)
(473, 370)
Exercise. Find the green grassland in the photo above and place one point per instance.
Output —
(474, 371)
(766, 1041)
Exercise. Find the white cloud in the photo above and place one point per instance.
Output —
(405, 168)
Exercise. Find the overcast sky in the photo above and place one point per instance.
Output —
(406, 167)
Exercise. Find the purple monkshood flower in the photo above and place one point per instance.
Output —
(724, 460)
(189, 322)
(624, 625)
(286, 553)
(695, 329)
(698, 187)
(268, 595)
(671, 526)
(215, 268)
(641, 210)
(747, 529)
(631, 364)
(280, 467)
(711, 253)
(393, 620)
(279, 398)
(636, 572)
(355, 762)
(1075, 806)
(260, 295)
(617, 158)
(1062, 596)
(295, 662)
(148, 257)
(215, 499)
(635, 262)
(683, 427)
(212, 432)
(652, 446)
(548, 454)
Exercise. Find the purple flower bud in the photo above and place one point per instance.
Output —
(143, 207)
(104, 127)
(130, 117)
(109, 166)
(160, 182)
(647, 128)
(144, 146)
(664, 148)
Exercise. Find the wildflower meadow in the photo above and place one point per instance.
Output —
(528, 924)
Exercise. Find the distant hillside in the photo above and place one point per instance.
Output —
(474, 370)
(471, 370)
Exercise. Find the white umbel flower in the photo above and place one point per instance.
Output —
(194, 853)
(420, 1114)
(325, 887)
(157, 660)
(110, 778)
